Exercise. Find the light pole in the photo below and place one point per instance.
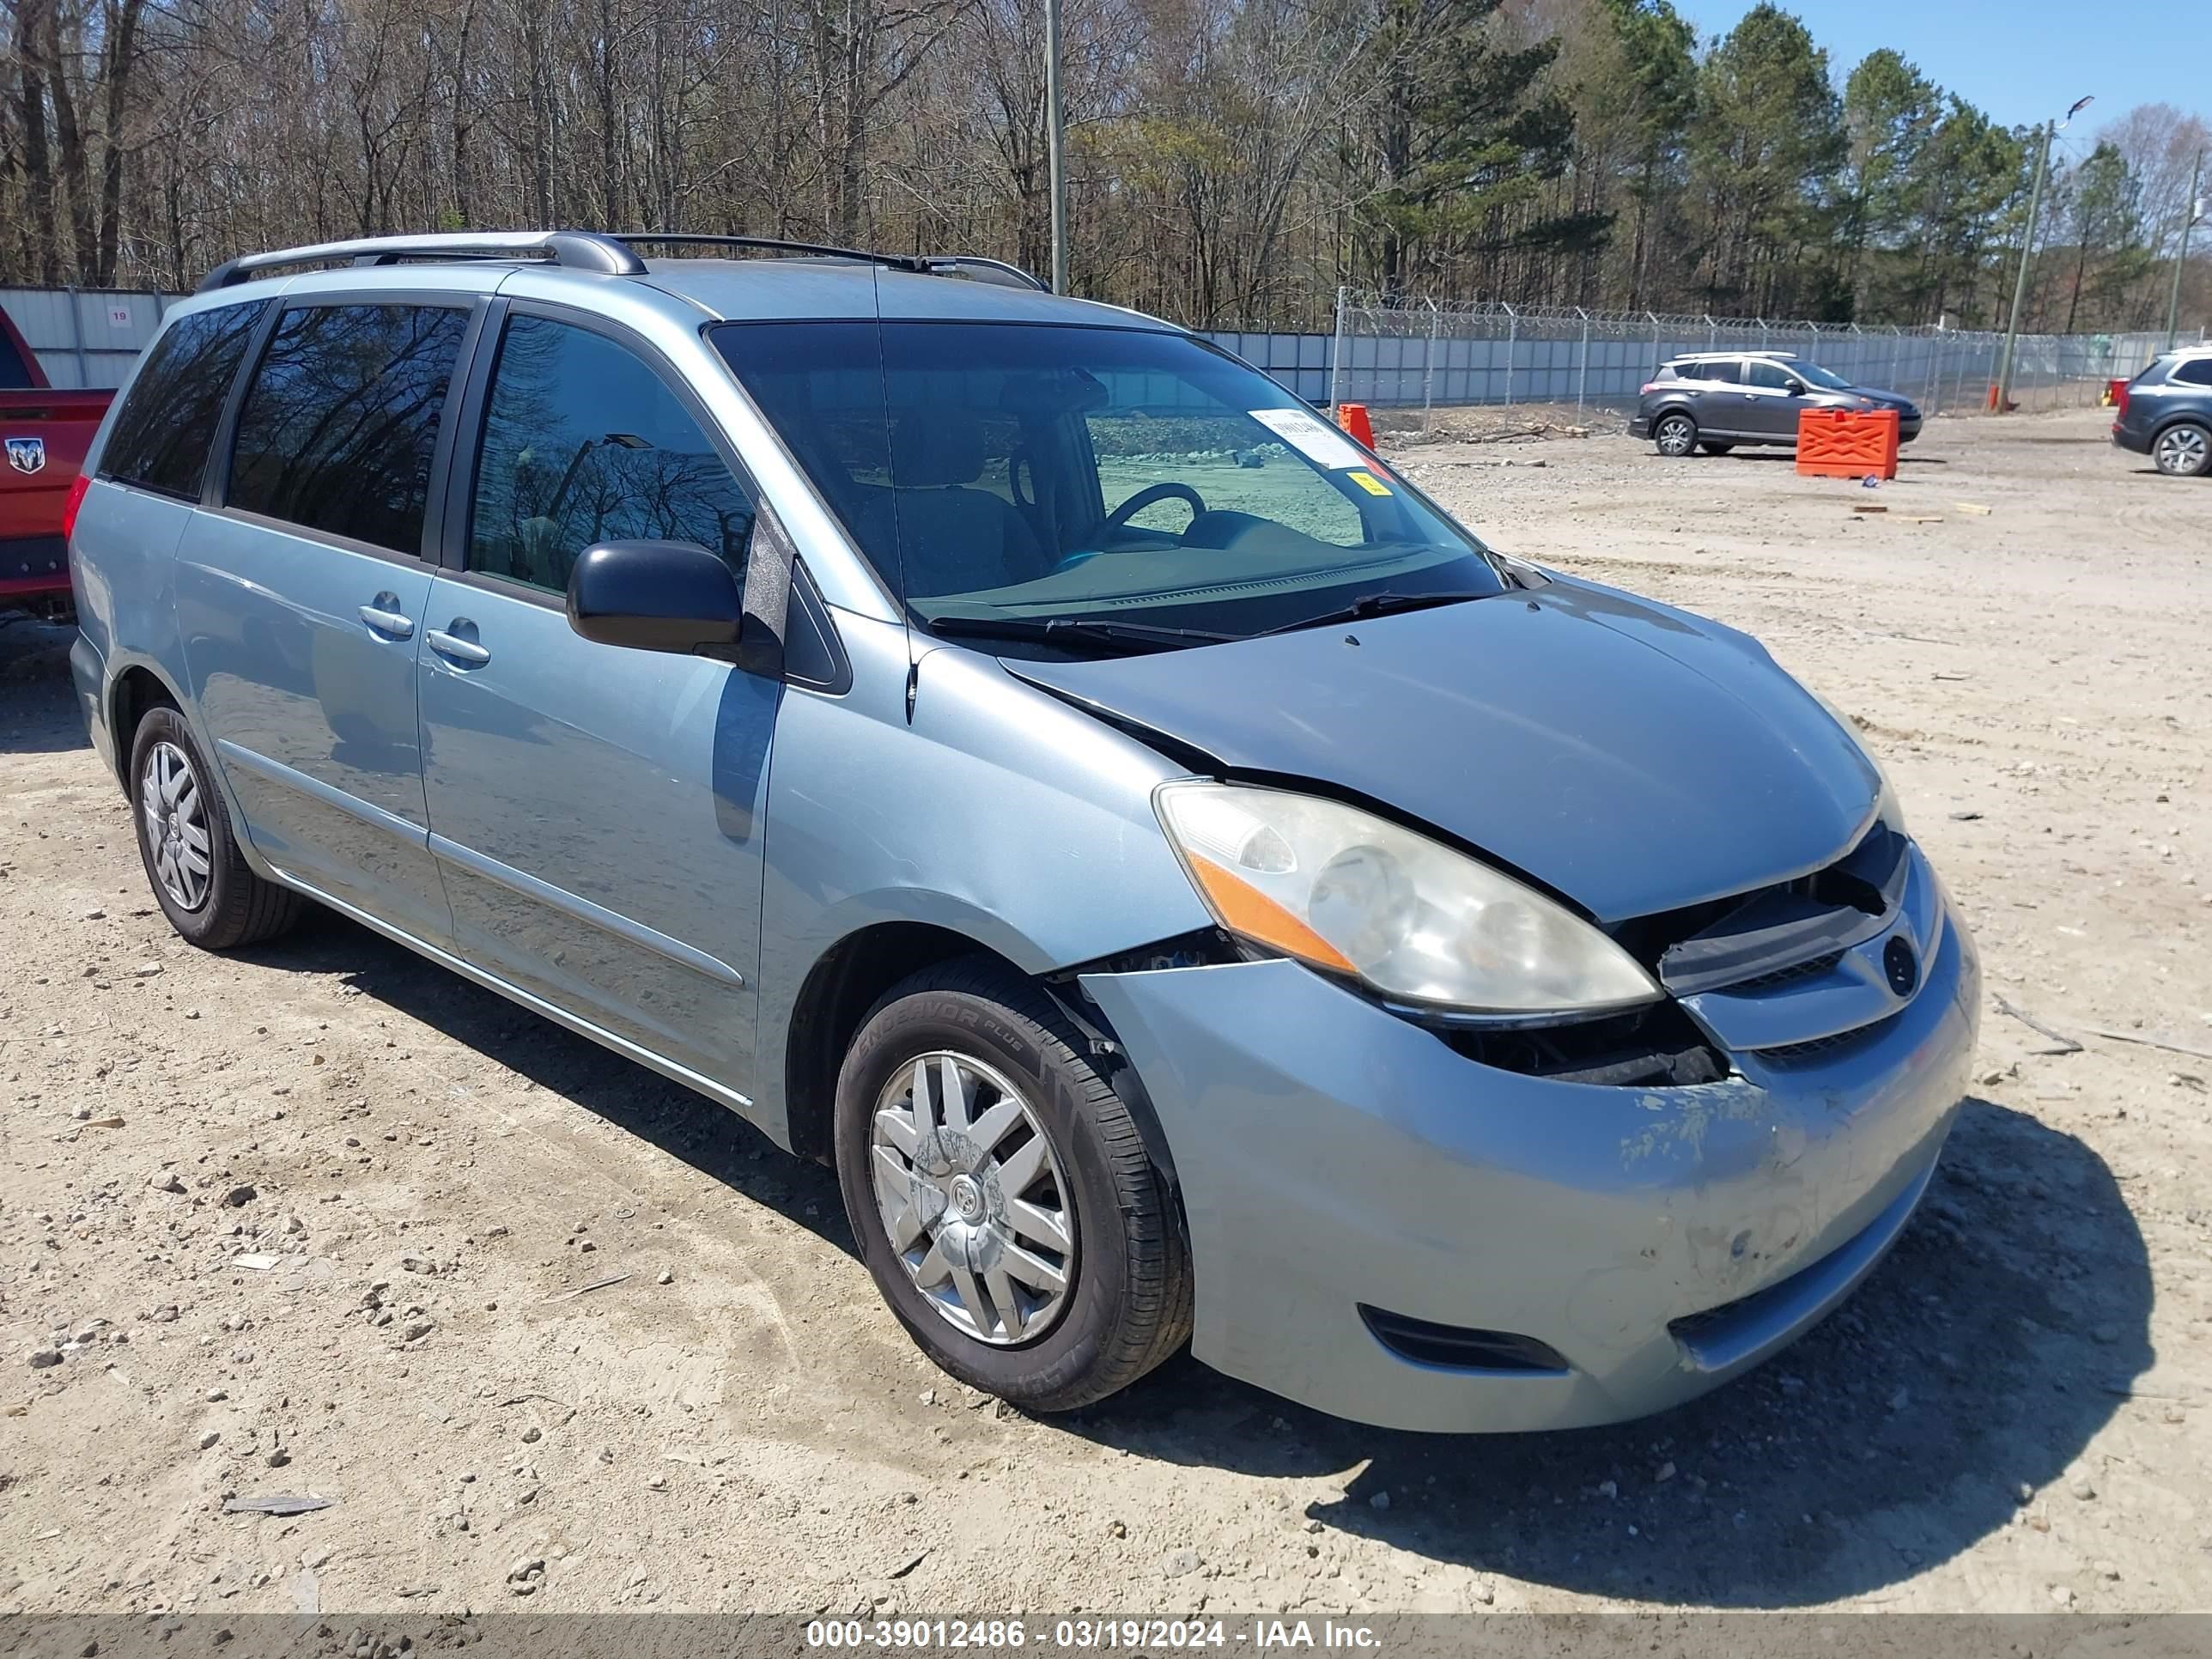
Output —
(2188, 217)
(2027, 254)
(1055, 146)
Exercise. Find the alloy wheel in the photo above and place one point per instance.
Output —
(2181, 451)
(175, 812)
(972, 1198)
(1676, 436)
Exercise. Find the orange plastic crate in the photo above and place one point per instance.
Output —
(1847, 443)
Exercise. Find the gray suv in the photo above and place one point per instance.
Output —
(1014, 752)
(1717, 400)
(2166, 413)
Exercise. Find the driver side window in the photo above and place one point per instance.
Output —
(1773, 377)
(1230, 461)
(584, 443)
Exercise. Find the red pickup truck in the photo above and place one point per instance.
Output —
(45, 433)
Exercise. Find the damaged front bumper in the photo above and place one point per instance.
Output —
(1607, 1251)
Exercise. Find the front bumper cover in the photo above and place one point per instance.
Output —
(1332, 1154)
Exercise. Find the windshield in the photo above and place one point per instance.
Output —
(1019, 472)
(1813, 374)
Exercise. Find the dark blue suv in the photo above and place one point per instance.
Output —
(2166, 413)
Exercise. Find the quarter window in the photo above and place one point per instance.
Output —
(2197, 371)
(15, 373)
(584, 443)
(341, 421)
(167, 424)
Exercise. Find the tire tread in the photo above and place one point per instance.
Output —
(1157, 1311)
(244, 908)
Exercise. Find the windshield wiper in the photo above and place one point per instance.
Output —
(1068, 630)
(1374, 605)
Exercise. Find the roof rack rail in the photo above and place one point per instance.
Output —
(578, 249)
(971, 265)
(976, 268)
(768, 244)
(607, 254)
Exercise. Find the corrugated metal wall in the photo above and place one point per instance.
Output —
(84, 337)
(1394, 354)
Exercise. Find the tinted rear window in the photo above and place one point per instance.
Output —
(14, 375)
(167, 422)
(2197, 371)
(341, 420)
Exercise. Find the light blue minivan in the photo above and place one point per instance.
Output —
(1008, 749)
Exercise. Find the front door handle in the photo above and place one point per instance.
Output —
(456, 643)
(384, 615)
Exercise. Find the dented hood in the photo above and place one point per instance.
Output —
(1633, 757)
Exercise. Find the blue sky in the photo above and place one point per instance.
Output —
(2021, 60)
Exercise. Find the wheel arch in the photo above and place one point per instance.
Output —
(845, 981)
(134, 691)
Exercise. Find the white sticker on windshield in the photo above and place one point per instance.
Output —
(1311, 436)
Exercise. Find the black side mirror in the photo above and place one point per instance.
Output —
(655, 596)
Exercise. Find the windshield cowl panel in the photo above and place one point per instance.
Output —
(1031, 470)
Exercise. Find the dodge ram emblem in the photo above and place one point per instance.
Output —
(26, 454)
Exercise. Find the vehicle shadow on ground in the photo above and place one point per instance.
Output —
(704, 1134)
(1986, 1351)
(38, 706)
(1981, 1358)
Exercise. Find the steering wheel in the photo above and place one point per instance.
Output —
(1169, 491)
(1120, 517)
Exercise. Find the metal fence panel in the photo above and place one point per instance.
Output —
(1401, 353)
(85, 336)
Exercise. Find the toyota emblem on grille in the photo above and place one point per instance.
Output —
(26, 454)
(1899, 964)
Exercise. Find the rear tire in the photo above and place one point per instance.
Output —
(1674, 436)
(1065, 1159)
(1715, 449)
(200, 877)
(2183, 450)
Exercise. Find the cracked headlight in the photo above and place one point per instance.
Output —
(1416, 921)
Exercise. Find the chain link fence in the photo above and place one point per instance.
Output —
(1407, 354)
(1401, 353)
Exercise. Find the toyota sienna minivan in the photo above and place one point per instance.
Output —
(1010, 749)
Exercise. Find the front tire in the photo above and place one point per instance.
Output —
(2183, 450)
(1674, 436)
(1001, 1194)
(200, 877)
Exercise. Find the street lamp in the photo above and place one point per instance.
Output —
(2028, 252)
(2191, 211)
(1055, 146)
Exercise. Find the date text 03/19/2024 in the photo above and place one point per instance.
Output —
(1079, 1634)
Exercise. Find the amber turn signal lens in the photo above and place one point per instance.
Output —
(1244, 910)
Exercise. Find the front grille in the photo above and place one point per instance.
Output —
(1821, 1049)
(1460, 1347)
(1777, 978)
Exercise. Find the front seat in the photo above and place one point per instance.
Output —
(954, 539)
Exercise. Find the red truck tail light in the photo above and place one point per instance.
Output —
(72, 501)
(2120, 401)
(1647, 388)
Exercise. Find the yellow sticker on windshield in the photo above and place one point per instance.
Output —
(1368, 482)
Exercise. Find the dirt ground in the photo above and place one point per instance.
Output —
(2012, 1414)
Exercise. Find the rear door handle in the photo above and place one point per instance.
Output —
(455, 647)
(384, 615)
